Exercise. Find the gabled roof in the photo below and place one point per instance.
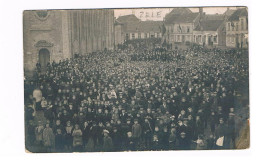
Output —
(118, 23)
(131, 27)
(209, 25)
(183, 18)
(238, 13)
(229, 12)
(128, 18)
(148, 26)
(179, 11)
(214, 17)
(176, 11)
(144, 26)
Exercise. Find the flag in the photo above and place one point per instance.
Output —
(163, 30)
(200, 25)
(180, 28)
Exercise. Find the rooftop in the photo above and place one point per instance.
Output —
(209, 25)
(238, 13)
(179, 11)
(183, 18)
(133, 24)
(229, 12)
(127, 18)
(146, 26)
(213, 17)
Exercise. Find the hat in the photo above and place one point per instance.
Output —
(172, 116)
(231, 114)
(183, 133)
(106, 131)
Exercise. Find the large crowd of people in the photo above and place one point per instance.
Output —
(134, 99)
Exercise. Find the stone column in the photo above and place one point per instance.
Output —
(65, 35)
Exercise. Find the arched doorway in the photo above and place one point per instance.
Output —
(44, 58)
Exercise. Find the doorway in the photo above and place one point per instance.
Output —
(44, 58)
(183, 38)
(210, 42)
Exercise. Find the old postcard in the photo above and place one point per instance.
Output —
(141, 79)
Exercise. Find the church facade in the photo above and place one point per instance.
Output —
(53, 35)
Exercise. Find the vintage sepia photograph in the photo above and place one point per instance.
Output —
(136, 79)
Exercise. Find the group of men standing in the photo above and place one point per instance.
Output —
(108, 101)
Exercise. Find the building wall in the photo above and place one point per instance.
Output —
(49, 29)
(136, 35)
(206, 38)
(222, 34)
(186, 28)
(168, 33)
(175, 35)
(119, 37)
(231, 34)
(91, 30)
(142, 35)
(65, 33)
(237, 34)
(179, 33)
(130, 31)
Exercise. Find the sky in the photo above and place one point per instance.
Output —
(157, 14)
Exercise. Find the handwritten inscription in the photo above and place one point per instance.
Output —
(156, 14)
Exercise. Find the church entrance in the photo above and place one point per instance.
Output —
(44, 58)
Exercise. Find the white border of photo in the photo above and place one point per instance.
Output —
(11, 99)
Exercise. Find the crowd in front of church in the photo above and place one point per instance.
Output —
(128, 100)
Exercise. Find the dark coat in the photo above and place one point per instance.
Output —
(183, 144)
(59, 142)
(136, 130)
(108, 144)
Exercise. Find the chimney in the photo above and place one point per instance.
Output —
(201, 11)
(133, 11)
